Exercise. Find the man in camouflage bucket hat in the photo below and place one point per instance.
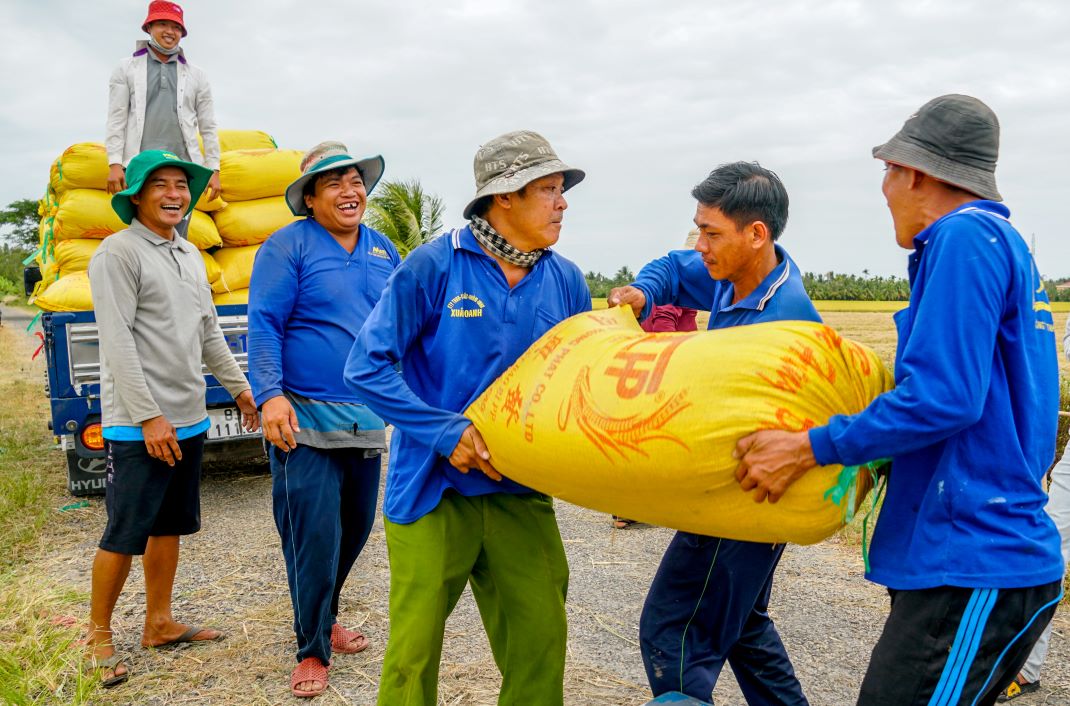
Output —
(458, 312)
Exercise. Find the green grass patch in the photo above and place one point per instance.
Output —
(39, 659)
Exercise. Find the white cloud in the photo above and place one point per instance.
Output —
(646, 98)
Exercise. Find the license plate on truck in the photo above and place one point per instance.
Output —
(225, 423)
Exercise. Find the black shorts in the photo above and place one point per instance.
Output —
(147, 498)
(950, 646)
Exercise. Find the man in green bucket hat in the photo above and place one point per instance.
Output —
(157, 323)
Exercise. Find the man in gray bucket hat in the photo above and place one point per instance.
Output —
(455, 315)
(970, 558)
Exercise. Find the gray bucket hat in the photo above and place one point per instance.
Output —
(326, 156)
(952, 138)
(511, 161)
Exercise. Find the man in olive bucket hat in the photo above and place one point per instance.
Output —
(963, 544)
(314, 282)
(157, 325)
(458, 312)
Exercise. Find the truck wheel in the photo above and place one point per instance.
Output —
(85, 476)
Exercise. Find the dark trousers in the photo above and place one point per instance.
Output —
(709, 603)
(324, 503)
(948, 646)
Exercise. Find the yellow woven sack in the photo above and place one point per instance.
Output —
(251, 222)
(211, 267)
(73, 255)
(202, 232)
(81, 166)
(601, 414)
(236, 267)
(70, 293)
(258, 174)
(85, 213)
(238, 296)
(241, 140)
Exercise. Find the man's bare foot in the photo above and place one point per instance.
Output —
(175, 633)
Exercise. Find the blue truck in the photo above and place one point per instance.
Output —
(73, 388)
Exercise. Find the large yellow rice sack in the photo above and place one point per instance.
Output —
(236, 268)
(603, 415)
(238, 296)
(241, 140)
(202, 233)
(251, 222)
(73, 255)
(258, 174)
(81, 166)
(85, 213)
(70, 293)
(211, 268)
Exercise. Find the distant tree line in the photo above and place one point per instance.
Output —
(829, 285)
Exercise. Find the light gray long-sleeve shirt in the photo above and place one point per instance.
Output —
(157, 324)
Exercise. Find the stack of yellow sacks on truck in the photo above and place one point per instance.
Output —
(76, 215)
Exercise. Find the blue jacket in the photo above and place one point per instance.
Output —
(450, 319)
(971, 423)
(681, 278)
(308, 297)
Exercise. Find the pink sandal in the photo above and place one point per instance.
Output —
(310, 669)
(347, 642)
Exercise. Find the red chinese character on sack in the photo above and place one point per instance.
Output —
(636, 376)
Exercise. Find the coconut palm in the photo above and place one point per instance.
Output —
(405, 213)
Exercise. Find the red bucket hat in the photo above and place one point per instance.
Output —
(164, 10)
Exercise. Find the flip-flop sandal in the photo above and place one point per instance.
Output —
(91, 664)
(185, 637)
(342, 640)
(623, 522)
(310, 669)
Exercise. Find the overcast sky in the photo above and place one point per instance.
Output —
(646, 97)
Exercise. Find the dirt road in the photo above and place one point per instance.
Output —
(232, 577)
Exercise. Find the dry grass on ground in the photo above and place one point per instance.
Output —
(38, 654)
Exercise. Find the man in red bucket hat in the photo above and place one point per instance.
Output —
(159, 101)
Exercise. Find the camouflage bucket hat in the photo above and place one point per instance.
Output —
(512, 161)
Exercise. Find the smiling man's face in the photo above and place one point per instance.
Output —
(164, 197)
(338, 201)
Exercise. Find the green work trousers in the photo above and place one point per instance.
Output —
(509, 548)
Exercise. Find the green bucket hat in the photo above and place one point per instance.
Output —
(146, 163)
(324, 157)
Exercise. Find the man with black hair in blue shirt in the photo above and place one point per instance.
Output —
(709, 600)
(456, 314)
(970, 558)
(314, 283)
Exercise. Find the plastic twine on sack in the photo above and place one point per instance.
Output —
(846, 488)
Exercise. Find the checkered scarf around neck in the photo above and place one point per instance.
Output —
(493, 241)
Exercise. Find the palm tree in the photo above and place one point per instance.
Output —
(405, 213)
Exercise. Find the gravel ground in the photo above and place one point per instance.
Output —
(231, 576)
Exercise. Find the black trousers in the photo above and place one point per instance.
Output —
(945, 646)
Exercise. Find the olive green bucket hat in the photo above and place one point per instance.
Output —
(511, 161)
(146, 163)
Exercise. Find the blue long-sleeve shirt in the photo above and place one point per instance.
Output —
(681, 278)
(308, 298)
(971, 423)
(450, 319)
